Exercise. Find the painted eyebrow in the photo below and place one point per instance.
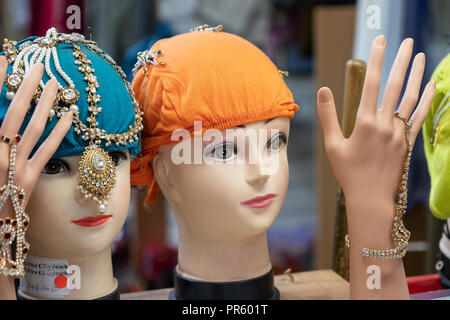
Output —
(243, 125)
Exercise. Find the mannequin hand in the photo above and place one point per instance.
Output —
(369, 164)
(28, 170)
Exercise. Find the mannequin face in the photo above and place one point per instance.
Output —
(211, 199)
(56, 202)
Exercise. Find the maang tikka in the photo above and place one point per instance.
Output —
(97, 171)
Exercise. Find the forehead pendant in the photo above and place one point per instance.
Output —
(96, 176)
(97, 170)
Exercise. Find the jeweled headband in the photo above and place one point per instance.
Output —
(106, 118)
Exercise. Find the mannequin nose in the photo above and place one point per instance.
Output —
(255, 174)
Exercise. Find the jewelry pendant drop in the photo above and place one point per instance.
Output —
(97, 176)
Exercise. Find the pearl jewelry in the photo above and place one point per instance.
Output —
(101, 208)
(73, 108)
(10, 95)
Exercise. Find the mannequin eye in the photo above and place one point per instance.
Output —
(55, 166)
(277, 141)
(118, 157)
(225, 151)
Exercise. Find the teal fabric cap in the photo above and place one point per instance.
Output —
(117, 113)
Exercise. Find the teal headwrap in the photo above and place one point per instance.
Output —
(107, 117)
(116, 101)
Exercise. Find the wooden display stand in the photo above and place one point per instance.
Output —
(311, 285)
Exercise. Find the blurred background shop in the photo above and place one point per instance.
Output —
(312, 40)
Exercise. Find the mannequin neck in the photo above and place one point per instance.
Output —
(213, 260)
(95, 281)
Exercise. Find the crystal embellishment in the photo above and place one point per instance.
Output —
(46, 42)
(13, 81)
(99, 162)
(69, 95)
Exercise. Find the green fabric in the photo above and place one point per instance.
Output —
(438, 152)
(117, 107)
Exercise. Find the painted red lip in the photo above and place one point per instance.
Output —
(260, 202)
(92, 221)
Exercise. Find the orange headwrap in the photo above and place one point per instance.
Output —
(214, 77)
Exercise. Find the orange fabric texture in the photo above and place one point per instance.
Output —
(214, 77)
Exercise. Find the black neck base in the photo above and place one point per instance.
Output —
(260, 288)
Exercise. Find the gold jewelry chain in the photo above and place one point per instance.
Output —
(400, 234)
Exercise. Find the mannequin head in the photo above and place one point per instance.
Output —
(232, 180)
(208, 198)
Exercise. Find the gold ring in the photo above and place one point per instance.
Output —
(407, 122)
(10, 141)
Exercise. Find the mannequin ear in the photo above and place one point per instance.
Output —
(161, 171)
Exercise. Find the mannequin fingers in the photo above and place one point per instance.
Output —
(3, 68)
(411, 94)
(396, 78)
(422, 110)
(369, 97)
(328, 118)
(51, 144)
(37, 123)
(19, 106)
